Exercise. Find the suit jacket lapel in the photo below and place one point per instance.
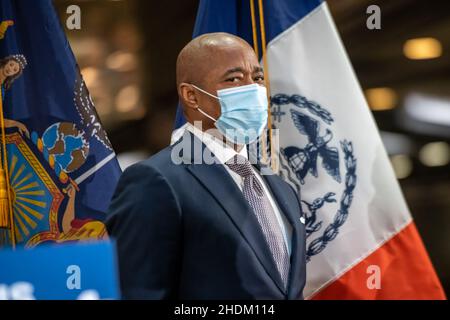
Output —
(297, 233)
(218, 182)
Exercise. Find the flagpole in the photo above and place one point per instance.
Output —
(254, 31)
(4, 165)
(263, 139)
(266, 79)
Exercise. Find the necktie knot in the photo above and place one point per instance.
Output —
(240, 165)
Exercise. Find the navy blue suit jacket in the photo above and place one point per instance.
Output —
(185, 231)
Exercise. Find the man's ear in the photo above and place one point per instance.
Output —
(188, 95)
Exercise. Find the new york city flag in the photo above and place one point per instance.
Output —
(59, 170)
(362, 242)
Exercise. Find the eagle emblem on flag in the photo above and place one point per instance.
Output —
(300, 162)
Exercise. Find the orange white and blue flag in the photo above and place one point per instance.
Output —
(362, 242)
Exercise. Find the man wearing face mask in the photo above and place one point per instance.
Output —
(216, 229)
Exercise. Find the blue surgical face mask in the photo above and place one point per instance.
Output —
(243, 112)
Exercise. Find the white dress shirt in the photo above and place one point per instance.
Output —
(223, 153)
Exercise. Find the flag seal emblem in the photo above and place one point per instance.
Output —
(299, 163)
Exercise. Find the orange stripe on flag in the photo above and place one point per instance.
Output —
(405, 269)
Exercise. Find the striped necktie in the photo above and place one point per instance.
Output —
(258, 200)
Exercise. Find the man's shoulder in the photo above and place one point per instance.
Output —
(161, 162)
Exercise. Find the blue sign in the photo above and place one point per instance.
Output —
(84, 271)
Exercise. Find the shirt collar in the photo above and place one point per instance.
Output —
(222, 151)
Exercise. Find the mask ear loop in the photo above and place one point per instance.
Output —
(209, 94)
(205, 92)
(205, 114)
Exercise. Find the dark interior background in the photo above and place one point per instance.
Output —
(127, 52)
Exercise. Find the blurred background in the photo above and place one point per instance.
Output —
(127, 50)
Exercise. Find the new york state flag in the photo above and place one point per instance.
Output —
(58, 169)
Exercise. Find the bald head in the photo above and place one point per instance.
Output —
(203, 52)
(212, 62)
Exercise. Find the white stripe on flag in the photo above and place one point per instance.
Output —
(95, 168)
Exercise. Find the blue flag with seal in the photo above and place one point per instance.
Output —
(58, 169)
